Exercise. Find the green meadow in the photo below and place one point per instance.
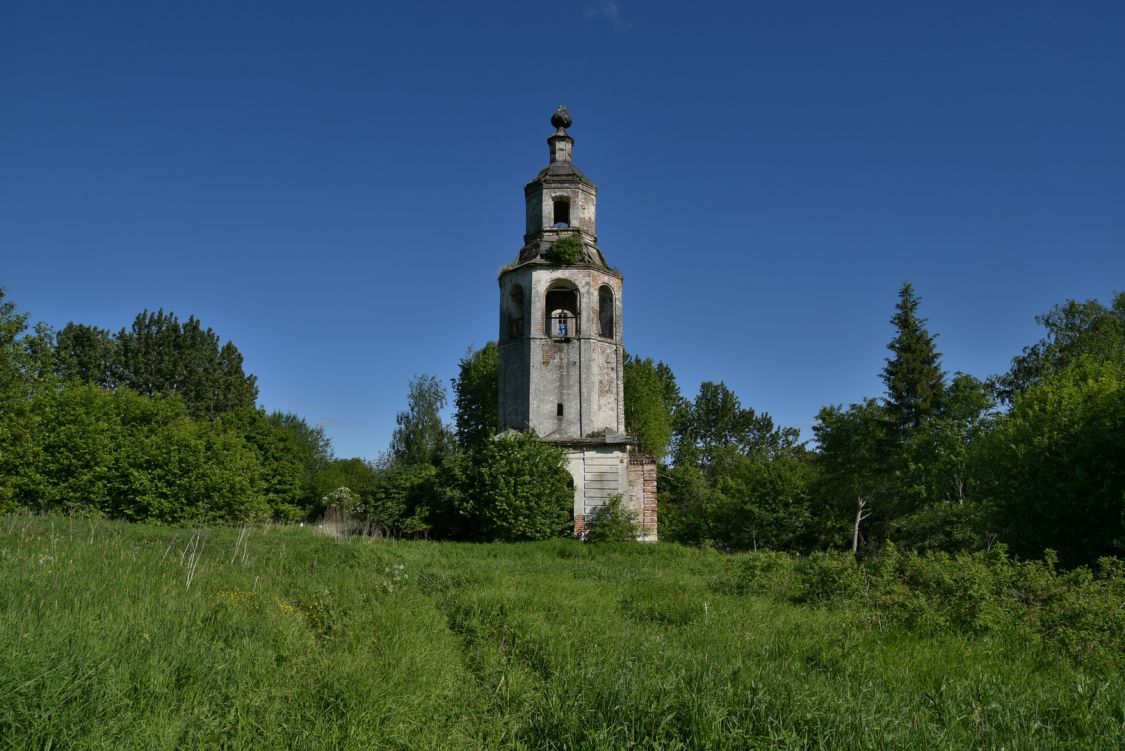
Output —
(122, 636)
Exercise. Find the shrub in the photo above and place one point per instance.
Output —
(401, 499)
(613, 522)
(764, 572)
(516, 488)
(135, 457)
(939, 592)
(1076, 613)
(945, 526)
(343, 499)
(566, 251)
(830, 576)
(173, 469)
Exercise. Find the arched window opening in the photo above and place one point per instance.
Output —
(515, 312)
(605, 312)
(562, 213)
(562, 311)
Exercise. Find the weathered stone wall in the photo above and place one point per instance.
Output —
(600, 471)
(572, 372)
(642, 493)
(539, 372)
(515, 351)
(583, 199)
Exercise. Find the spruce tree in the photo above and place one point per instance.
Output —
(913, 374)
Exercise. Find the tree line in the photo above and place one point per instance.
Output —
(1033, 457)
(159, 422)
(155, 422)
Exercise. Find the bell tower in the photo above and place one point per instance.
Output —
(561, 353)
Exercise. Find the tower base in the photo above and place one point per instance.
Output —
(601, 468)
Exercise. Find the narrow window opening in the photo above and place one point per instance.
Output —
(562, 213)
(515, 312)
(605, 312)
(559, 410)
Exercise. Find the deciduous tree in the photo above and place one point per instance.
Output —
(852, 459)
(313, 450)
(1074, 330)
(1054, 466)
(652, 404)
(476, 393)
(12, 325)
(159, 355)
(717, 422)
(421, 437)
(86, 354)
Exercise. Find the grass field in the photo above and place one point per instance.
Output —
(126, 636)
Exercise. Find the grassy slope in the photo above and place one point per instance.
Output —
(304, 642)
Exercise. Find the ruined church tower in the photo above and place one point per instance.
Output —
(560, 341)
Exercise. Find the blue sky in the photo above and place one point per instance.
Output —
(334, 186)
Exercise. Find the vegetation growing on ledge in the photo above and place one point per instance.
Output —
(566, 251)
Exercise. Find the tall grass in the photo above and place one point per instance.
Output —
(127, 636)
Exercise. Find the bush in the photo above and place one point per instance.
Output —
(939, 592)
(133, 457)
(566, 251)
(828, 576)
(945, 526)
(1076, 613)
(613, 522)
(516, 488)
(173, 469)
(764, 572)
(401, 500)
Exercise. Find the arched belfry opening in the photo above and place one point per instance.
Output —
(561, 305)
(561, 367)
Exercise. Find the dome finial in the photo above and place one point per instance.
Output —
(561, 119)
